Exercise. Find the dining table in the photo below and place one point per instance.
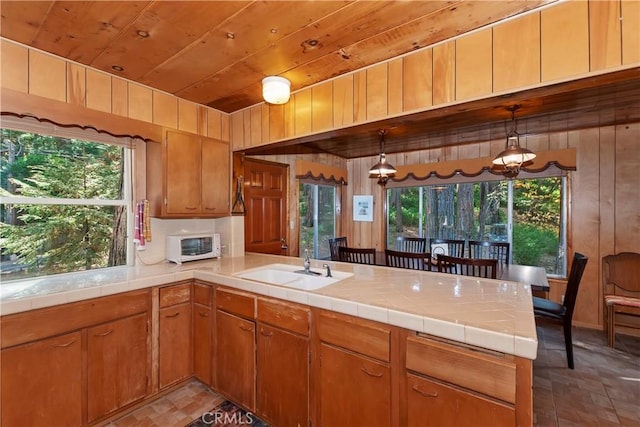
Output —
(534, 276)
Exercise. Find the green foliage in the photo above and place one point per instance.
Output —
(57, 238)
(533, 245)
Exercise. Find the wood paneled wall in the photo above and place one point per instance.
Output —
(565, 41)
(33, 72)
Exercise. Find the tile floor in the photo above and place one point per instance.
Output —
(602, 390)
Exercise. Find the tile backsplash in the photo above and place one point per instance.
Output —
(231, 231)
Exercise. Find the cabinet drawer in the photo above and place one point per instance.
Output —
(355, 334)
(236, 302)
(202, 294)
(29, 326)
(285, 315)
(176, 294)
(493, 374)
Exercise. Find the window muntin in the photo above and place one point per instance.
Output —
(317, 218)
(528, 213)
(64, 204)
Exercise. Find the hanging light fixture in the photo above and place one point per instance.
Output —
(382, 170)
(514, 156)
(276, 89)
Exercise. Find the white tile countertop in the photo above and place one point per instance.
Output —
(492, 314)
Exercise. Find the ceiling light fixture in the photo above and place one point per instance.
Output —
(276, 90)
(514, 156)
(382, 170)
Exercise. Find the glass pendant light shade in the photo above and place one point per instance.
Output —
(382, 170)
(276, 90)
(514, 156)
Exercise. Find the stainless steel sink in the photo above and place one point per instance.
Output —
(292, 276)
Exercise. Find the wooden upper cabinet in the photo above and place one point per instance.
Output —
(564, 40)
(188, 176)
(474, 67)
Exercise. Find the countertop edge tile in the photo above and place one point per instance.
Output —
(344, 306)
(371, 312)
(489, 339)
(406, 320)
(15, 306)
(443, 329)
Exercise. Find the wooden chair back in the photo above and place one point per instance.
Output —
(489, 250)
(357, 255)
(621, 281)
(334, 244)
(486, 268)
(412, 260)
(411, 244)
(455, 248)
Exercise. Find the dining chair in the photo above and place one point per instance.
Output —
(486, 268)
(563, 313)
(489, 250)
(334, 244)
(412, 260)
(449, 247)
(357, 255)
(621, 281)
(411, 244)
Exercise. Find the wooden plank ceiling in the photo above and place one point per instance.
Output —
(217, 52)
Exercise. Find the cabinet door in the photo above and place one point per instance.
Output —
(42, 382)
(235, 358)
(354, 390)
(215, 177)
(182, 166)
(202, 343)
(433, 404)
(116, 364)
(283, 377)
(175, 344)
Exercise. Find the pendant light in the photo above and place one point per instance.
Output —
(514, 156)
(382, 170)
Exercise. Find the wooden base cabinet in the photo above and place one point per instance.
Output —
(431, 403)
(236, 359)
(202, 332)
(283, 359)
(175, 346)
(42, 382)
(117, 361)
(354, 390)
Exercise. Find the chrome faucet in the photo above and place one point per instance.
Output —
(328, 269)
(307, 261)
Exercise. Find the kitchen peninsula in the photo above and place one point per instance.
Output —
(416, 342)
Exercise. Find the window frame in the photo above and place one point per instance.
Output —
(337, 207)
(129, 145)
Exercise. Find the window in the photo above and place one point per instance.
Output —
(528, 213)
(317, 218)
(64, 203)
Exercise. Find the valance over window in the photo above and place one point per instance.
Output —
(317, 171)
(470, 169)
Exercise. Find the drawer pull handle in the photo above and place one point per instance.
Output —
(103, 334)
(203, 314)
(246, 329)
(190, 208)
(266, 334)
(425, 393)
(372, 374)
(176, 314)
(64, 345)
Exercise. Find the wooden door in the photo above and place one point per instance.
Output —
(430, 403)
(42, 383)
(183, 166)
(175, 343)
(354, 390)
(216, 190)
(236, 359)
(265, 221)
(202, 343)
(117, 364)
(283, 377)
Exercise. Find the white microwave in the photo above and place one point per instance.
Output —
(192, 247)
